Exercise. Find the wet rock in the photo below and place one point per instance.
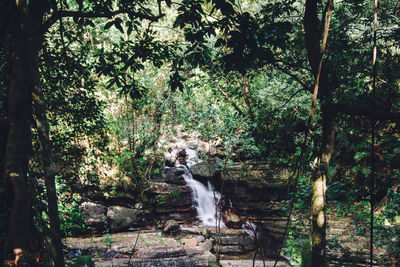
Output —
(171, 175)
(171, 227)
(121, 218)
(255, 188)
(267, 242)
(94, 216)
(204, 171)
(229, 214)
(182, 157)
(232, 219)
(169, 159)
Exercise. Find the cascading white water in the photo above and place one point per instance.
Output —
(204, 198)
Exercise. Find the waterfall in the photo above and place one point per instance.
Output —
(203, 197)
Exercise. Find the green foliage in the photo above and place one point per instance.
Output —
(108, 240)
(71, 218)
(298, 246)
(388, 228)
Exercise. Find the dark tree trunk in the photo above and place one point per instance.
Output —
(4, 188)
(19, 44)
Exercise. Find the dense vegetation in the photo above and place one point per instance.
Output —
(89, 87)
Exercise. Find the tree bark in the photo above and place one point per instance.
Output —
(319, 188)
(19, 44)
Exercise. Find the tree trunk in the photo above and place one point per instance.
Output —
(4, 188)
(20, 238)
(43, 128)
(312, 28)
(245, 92)
(319, 188)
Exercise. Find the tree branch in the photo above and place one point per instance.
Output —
(231, 101)
(79, 14)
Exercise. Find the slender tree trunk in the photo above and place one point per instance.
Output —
(236, 107)
(43, 128)
(312, 27)
(245, 92)
(319, 188)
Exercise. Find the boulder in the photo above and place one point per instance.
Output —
(121, 218)
(94, 216)
(171, 227)
(206, 169)
(232, 219)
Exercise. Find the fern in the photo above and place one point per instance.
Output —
(331, 171)
(365, 170)
(360, 156)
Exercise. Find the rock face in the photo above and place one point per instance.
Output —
(94, 216)
(170, 197)
(121, 218)
(256, 190)
(204, 171)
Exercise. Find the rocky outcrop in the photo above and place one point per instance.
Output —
(255, 188)
(204, 171)
(121, 218)
(171, 175)
(171, 201)
(144, 248)
(94, 215)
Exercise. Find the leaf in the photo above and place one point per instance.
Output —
(108, 25)
(366, 171)
(90, 22)
(130, 29)
(360, 156)
(119, 27)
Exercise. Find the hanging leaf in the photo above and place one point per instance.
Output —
(108, 25)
